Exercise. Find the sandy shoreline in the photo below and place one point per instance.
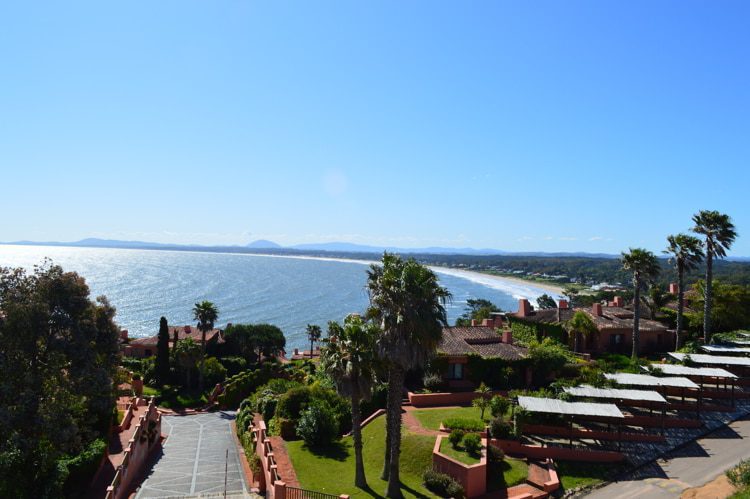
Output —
(473, 275)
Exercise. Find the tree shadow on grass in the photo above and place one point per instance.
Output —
(371, 493)
(337, 451)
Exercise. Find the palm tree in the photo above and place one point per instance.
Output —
(719, 233)
(686, 253)
(408, 302)
(187, 354)
(349, 357)
(580, 325)
(644, 266)
(206, 314)
(313, 334)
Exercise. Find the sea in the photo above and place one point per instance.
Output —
(289, 292)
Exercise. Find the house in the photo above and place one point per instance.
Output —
(614, 324)
(146, 347)
(459, 343)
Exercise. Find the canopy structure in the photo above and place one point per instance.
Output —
(680, 370)
(554, 406)
(718, 360)
(629, 379)
(726, 349)
(616, 394)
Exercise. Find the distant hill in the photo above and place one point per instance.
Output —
(263, 244)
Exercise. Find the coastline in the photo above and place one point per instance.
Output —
(516, 282)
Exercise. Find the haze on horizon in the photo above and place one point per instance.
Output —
(572, 127)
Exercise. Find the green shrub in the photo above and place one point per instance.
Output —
(293, 402)
(500, 429)
(455, 437)
(739, 476)
(499, 405)
(432, 382)
(213, 371)
(79, 470)
(233, 365)
(317, 425)
(464, 424)
(442, 484)
(472, 442)
(495, 454)
(255, 464)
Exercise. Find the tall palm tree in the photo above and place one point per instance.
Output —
(580, 325)
(685, 253)
(349, 357)
(644, 266)
(719, 233)
(313, 334)
(408, 302)
(206, 314)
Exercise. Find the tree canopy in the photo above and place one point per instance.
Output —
(255, 341)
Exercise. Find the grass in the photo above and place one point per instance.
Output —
(506, 473)
(573, 474)
(431, 418)
(120, 415)
(331, 470)
(741, 494)
(458, 453)
(171, 397)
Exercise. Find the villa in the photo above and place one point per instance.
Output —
(613, 321)
(146, 347)
(459, 343)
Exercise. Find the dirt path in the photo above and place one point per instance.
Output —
(719, 487)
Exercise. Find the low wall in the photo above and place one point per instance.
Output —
(560, 431)
(126, 418)
(514, 448)
(146, 436)
(446, 398)
(473, 478)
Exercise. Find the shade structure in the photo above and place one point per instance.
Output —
(728, 349)
(554, 406)
(615, 393)
(628, 379)
(717, 360)
(680, 370)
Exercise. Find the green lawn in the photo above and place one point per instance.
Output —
(506, 473)
(574, 474)
(459, 453)
(431, 418)
(172, 397)
(332, 470)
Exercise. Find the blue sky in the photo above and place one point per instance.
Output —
(547, 126)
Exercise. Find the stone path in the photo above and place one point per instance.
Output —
(195, 455)
(411, 423)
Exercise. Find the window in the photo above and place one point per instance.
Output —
(455, 371)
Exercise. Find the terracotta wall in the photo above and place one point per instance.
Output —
(514, 448)
(563, 432)
(473, 478)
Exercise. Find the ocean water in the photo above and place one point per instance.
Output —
(289, 292)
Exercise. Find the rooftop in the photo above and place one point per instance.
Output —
(480, 340)
(554, 406)
(719, 360)
(615, 393)
(629, 379)
(725, 349)
(183, 332)
(680, 370)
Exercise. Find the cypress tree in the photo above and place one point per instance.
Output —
(162, 353)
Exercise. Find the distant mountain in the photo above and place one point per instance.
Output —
(263, 244)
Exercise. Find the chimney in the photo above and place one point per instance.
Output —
(474, 322)
(508, 337)
(524, 308)
(187, 329)
(488, 322)
(563, 305)
(619, 302)
(296, 351)
(673, 289)
(124, 334)
(596, 308)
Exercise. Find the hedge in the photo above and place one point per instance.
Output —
(79, 471)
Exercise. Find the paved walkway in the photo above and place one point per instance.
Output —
(689, 466)
(194, 458)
